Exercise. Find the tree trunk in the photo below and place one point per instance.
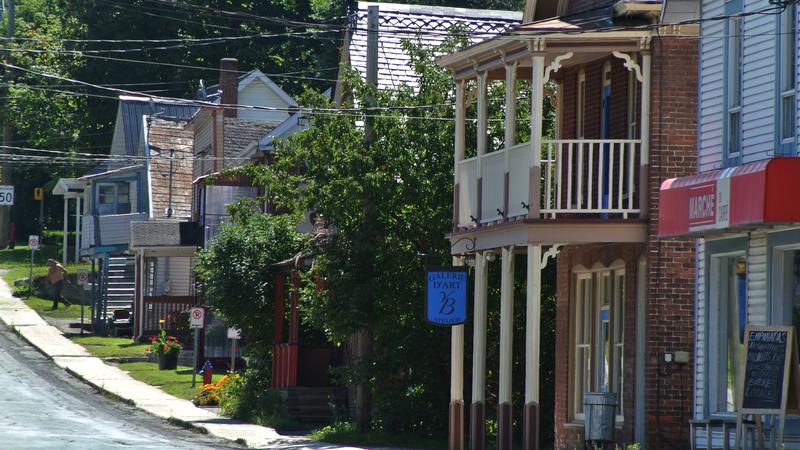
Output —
(363, 393)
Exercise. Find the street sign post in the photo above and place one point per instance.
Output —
(6, 195)
(234, 334)
(196, 318)
(33, 245)
(38, 194)
(83, 280)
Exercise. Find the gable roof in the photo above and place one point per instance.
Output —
(132, 109)
(399, 22)
(213, 92)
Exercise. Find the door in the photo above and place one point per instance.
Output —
(605, 132)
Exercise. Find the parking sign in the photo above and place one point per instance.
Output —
(196, 316)
(33, 242)
(83, 277)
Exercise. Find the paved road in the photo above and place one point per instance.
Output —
(41, 406)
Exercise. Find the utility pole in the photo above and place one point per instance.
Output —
(365, 337)
(169, 202)
(8, 132)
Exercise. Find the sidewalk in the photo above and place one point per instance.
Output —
(77, 361)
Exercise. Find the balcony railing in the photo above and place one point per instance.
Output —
(583, 177)
(114, 229)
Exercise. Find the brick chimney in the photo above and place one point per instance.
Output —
(229, 84)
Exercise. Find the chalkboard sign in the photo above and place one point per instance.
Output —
(765, 369)
(770, 380)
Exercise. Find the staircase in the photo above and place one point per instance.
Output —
(315, 404)
(121, 283)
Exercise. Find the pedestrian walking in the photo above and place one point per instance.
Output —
(57, 275)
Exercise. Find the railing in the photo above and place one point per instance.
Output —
(580, 176)
(115, 229)
(169, 309)
(590, 176)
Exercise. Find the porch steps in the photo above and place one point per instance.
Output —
(121, 288)
(315, 404)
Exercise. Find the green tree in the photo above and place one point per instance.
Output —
(237, 274)
(389, 208)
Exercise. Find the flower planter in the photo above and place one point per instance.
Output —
(168, 361)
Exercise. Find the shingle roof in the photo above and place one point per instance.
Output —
(239, 133)
(398, 22)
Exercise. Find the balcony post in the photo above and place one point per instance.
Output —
(478, 413)
(504, 403)
(483, 134)
(537, 99)
(644, 195)
(64, 254)
(510, 125)
(460, 115)
(456, 434)
(77, 228)
(532, 341)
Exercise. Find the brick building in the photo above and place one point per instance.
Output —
(623, 85)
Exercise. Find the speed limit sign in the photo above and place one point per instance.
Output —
(7, 195)
(196, 317)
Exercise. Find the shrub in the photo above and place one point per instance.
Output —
(21, 291)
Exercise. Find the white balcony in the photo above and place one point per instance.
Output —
(592, 178)
(115, 229)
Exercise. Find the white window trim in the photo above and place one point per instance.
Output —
(713, 316)
(614, 270)
(580, 109)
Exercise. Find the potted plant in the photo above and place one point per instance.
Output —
(166, 348)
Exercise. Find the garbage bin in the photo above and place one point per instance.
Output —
(599, 409)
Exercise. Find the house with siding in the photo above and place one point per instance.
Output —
(740, 205)
(621, 77)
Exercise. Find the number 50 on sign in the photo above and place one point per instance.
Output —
(7, 195)
(446, 295)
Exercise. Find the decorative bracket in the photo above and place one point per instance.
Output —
(550, 253)
(535, 45)
(630, 64)
(555, 65)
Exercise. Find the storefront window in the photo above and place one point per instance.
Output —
(734, 289)
(795, 290)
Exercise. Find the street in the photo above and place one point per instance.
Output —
(41, 406)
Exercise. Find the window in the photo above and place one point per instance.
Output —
(583, 341)
(599, 337)
(633, 104)
(787, 47)
(734, 104)
(731, 300)
(114, 197)
(580, 107)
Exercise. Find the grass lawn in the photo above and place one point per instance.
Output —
(173, 382)
(345, 433)
(105, 347)
(17, 262)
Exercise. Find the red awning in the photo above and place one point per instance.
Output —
(763, 192)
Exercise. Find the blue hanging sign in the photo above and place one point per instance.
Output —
(446, 295)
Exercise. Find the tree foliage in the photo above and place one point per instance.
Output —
(389, 207)
(237, 272)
